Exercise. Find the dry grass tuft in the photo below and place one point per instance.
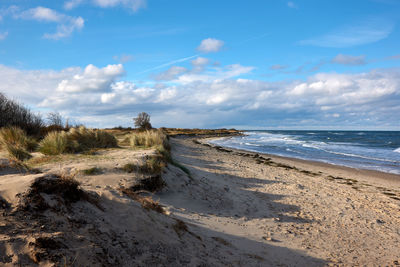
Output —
(56, 143)
(16, 143)
(149, 139)
(129, 168)
(92, 171)
(147, 202)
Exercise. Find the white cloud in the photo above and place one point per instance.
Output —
(66, 25)
(3, 35)
(133, 5)
(170, 74)
(349, 60)
(210, 45)
(200, 61)
(227, 72)
(97, 96)
(199, 64)
(365, 32)
(92, 79)
(65, 30)
(72, 4)
(41, 14)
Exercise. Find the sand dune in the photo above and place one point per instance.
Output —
(234, 209)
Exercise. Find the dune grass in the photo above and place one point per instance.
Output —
(152, 165)
(76, 140)
(148, 139)
(16, 143)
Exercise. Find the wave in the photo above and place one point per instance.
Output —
(340, 150)
(360, 156)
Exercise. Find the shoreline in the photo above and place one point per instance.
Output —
(385, 178)
(298, 213)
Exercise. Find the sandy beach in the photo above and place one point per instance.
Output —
(297, 212)
(234, 208)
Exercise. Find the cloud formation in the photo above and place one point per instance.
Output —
(362, 33)
(92, 79)
(210, 45)
(66, 25)
(170, 74)
(133, 5)
(211, 99)
(349, 60)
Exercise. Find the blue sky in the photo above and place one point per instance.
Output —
(246, 64)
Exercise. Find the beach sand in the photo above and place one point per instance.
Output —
(290, 208)
(235, 208)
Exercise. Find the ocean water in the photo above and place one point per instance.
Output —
(373, 150)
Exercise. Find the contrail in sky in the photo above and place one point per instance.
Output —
(168, 64)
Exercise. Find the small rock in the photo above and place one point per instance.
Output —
(380, 221)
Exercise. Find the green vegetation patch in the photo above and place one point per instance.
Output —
(92, 171)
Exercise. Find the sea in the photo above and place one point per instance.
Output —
(371, 150)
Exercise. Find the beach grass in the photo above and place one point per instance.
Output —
(76, 140)
(15, 141)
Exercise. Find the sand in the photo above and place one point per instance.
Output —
(295, 214)
(234, 209)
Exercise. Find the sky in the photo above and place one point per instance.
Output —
(276, 64)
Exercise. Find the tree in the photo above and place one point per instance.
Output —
(55, 119)
(142, 121)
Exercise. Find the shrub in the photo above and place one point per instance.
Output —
(15, 114)
(16, 142)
